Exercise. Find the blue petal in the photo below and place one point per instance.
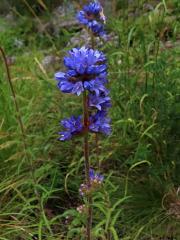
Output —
(60, 76)
(78, 88)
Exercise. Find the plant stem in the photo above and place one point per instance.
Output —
(87, 163)
(92, 40)
(14, 98)
(19, 120)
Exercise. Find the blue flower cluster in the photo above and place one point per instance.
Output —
(100, 123)
(96, 181)
(95, 178)
(86, 71)
(92, 16)
(72, 125)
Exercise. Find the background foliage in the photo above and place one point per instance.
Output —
(40, 177)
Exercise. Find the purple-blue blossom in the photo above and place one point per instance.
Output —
(93, 18)
(73, 126)
(100, 123)
(86, 70)
(96, 85)
(95, 178)
(100, 102)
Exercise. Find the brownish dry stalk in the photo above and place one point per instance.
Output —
(19, 120)
(14, 98)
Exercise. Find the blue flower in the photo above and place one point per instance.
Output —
(86, 70)
(96, 181)
(72, 125)
(100, 102)
(92, 16)
(100, 123)
(96, 85)
(95, 178)
(94, 8)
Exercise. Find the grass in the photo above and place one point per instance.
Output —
(39, 185)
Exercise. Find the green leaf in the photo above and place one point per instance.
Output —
(114, 233)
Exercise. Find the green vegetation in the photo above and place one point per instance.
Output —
(40, 176)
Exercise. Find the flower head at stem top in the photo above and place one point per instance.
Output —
(86, 70)
(93, 17)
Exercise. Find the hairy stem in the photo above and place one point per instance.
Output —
(87, 163)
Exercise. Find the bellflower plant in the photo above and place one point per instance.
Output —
(86, 75)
